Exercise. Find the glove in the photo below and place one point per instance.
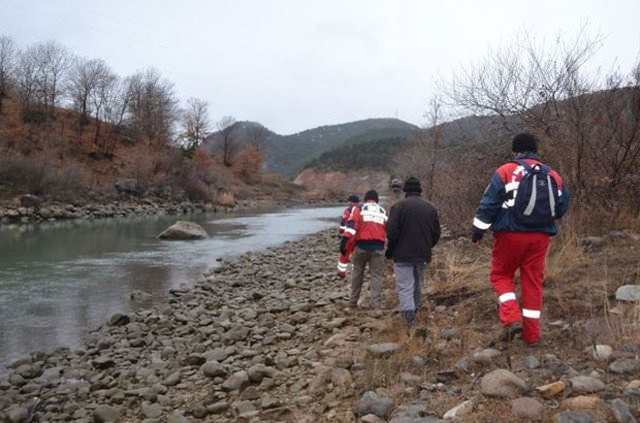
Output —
(388, 253)
(343, 245)
(476, 235)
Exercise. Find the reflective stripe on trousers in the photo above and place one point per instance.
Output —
(526, 252)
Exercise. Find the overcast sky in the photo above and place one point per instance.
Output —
(296, 64)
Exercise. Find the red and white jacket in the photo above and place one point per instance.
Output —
(368, 225)
(495, 210)
(346, 214)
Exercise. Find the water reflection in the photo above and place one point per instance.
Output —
(59, 279)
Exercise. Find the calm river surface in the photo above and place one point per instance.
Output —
(58, 280)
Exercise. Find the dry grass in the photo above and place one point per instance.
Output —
(564, 257)
(579, 295)
(458, 268)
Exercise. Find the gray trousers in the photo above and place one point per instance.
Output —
(376, 270)
(409, 280)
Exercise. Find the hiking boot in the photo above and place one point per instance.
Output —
(537, 344)
(422, 333)
(509, 332)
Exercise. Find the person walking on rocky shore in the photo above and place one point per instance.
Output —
(367, 226)
(413, 230)
(522, 217)
(345, 256)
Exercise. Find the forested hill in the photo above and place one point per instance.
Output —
(288, 154)
(378, 150)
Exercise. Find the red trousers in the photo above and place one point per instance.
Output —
(526, 251)
(343, 261)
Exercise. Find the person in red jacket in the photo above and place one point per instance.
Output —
(367, 226)
(343, 261)
(517, 245)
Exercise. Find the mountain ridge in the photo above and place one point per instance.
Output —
(288, 154)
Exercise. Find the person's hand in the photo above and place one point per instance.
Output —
(343, 245)
(476, 235)
(388, 254)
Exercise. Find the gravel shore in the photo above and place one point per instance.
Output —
(269, 337)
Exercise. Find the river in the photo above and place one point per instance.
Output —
(60, 279)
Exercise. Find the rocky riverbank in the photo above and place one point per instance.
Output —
(268, 337)
(30, 209)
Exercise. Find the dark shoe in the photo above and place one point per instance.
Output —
(510, 331)
(537, 344)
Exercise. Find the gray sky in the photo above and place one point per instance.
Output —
(296, 64)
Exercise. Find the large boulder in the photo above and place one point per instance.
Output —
(184, 230)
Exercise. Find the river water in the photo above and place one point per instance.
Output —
(58, 280)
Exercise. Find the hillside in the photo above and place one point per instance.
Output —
(287, 154)
(63, 158)
(377, 149)
(373, 154)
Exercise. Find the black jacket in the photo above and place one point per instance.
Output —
(413, 229)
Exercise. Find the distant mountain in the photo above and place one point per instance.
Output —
(375, 150)
(288, 154)
(365, 144)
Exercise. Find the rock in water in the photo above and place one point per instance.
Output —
(182, 230)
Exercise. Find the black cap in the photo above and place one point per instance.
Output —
(353, 199)
(524, 142)
(412, 184)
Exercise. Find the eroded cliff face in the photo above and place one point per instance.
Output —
(327, 185)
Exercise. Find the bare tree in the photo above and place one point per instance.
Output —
(228, 140)
(117, 98)
(257, 136)
(515, 79)
(114, 98)
(100, 96)
(195, 123)
(421, 157)
(537, 87)
(434, 140)
(86, 80)
(152, 105)
(27, 82)
(42, 71)
(8, 61)
(612, 142)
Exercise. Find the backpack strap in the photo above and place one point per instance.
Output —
(523, 163)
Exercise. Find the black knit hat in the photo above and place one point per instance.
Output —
(524, 142)
(412, 184)
(371, 195)
(353, 199)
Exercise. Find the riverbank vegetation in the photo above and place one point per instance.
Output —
(72, 130)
